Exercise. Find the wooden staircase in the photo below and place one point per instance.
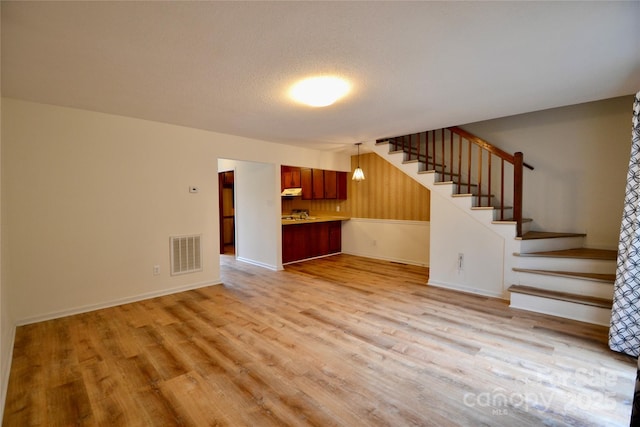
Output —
(564, 280)
(547, 272)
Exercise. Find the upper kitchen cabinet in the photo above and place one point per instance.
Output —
(335, 185)
(306, 182)
(322, 184)
(290, 177)
(330, 185)
(318, 183)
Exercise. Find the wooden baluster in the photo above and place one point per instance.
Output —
(426, 150)
(502, 190)
(404, 144)
(469, 166)
(450, 154)
(517, 191)
(433, 149)
(444, 167)
(489, 179)
(459, 171)
(414, 149)
(480, 175)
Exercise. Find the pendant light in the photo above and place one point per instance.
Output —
(358, 175)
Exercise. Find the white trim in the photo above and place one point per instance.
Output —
(257, 263)
(384, 258)
(476, 291)
(390, 221)
(113, 303)
(309, 259)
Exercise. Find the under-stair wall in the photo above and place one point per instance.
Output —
(456, 229)
(574, 198)
(474, 249)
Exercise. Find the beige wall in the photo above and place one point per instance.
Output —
(580, 154)
(90, 201)
(7, 328)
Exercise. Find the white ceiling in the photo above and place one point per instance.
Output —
(227, 66)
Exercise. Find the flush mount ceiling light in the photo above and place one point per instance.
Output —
(319, 91)
(358, 175)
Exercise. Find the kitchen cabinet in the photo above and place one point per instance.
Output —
(290, 177)
(306, 182)
(310, 240)
(335, 237)
(330, 184)
(317, 184)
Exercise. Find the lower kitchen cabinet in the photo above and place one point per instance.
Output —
(309, 240)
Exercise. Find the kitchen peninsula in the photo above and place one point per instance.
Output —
(305, 237)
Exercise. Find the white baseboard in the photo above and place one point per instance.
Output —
(257, 263)
(384, 258)
(456, 287)
(113, 303)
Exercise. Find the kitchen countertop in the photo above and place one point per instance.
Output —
(314, 219)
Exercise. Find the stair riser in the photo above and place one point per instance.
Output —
(567, 264)
(525, 225)
(566, 284)
(555, 244)
(565, 309)
(494, 214)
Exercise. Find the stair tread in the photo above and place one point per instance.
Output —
(531, 235)
(489, 207)
(510, 221)
(598, 277)
(582, 253)
(562, 296)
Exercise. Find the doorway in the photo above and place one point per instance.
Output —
(227, 212)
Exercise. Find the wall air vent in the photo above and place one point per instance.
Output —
(186, 254)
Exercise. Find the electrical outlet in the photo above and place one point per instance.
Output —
(460, 261)
(156, 270)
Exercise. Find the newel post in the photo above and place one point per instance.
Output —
(517, 191)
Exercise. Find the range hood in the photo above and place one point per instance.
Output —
(291, 192)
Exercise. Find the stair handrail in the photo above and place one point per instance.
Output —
(487, 145)
(428, 157)
(516, 159)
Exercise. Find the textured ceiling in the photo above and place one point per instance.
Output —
(226, 66)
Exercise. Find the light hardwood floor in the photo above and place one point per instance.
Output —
(340, 341)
